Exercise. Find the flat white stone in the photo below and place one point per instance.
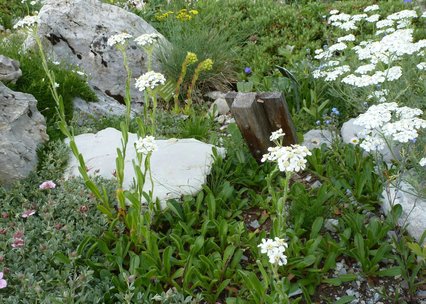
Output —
(179, 166)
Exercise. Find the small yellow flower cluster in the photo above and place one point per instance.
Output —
(206, 65)
(191, 58)
(182, 15)
(164, 16)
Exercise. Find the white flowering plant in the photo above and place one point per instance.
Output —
(383, 55)
(288, 159)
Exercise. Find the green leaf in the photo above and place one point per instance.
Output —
(316, 227)
(253, 284)
(359, 247)
(62, 258)
(345, 299)
(222, 286)
(167, 257)
(341, 279)
(390, 272)
(166, 91)
(176, 208)
(198, 244)
(134, 263)
(307, 261)
(245, 86)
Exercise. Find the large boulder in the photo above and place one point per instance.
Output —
(77, 32)
(22, 129)
(9, 69)
(179, 166)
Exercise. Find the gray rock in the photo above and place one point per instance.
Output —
(349, 131)
(77, 32)
(22, 129)
(413, 208)
(104, 107)
(179, 166)
(331, 224)
(9, 69)
(213, 95)
(219, 107)
(315, 138)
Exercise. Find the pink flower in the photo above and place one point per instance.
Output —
(18, 243)
(47, 185)
(3, 283)
(18, 239)
(27, 213)
(18, 235)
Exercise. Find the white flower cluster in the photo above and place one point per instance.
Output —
(378, 77)
(372, 54)
(379, 95)
(390, 48)
(388, 121)
(373, 18)
(149, 80)
(289, 158)
(346, 38)
(27, 21)
(371, 8)
(421, 66)
(332, 74)
(147, 39)
(274, 249)
(118, 39)
(276, 135)
(146, 145)
(422, 162)
(364, 69)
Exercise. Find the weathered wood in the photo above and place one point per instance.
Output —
(251, 120)
(258, 115)
(278, 115)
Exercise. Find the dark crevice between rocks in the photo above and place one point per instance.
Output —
(117, 97)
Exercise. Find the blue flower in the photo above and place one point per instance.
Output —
(318, 122)
(247, 70)
(327, 122)
(335, 111)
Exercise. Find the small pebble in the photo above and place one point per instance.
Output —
(254, 224)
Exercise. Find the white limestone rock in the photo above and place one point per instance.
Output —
(219, 107)
(179, 166)
(77, 32)
(22, 130)
(315, 138)
(104, 107)
(9, 69)
(349, 131)
(413, 208)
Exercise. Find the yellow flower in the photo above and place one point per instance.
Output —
(191, 58)
(194, 12)
(206, 65)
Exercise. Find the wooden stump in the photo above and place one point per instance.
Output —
(257, 116)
